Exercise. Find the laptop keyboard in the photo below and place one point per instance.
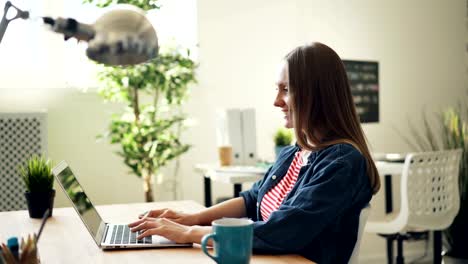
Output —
(121, 234)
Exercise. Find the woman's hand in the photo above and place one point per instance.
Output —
(174, 216)
(163, 227)
(169, 229)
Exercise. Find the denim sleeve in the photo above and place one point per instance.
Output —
(250, 197)
(299, 221)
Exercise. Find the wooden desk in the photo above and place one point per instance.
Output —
(66, 240)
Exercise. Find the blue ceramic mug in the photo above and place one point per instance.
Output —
(232, 239)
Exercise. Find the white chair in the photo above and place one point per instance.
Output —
(362, 222)
(429, 198)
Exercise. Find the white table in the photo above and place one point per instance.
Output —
(237, 175)
(389, 168)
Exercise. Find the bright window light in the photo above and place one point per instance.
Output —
(175, 23)
(33, 57)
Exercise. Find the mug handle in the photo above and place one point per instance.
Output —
(205, 241)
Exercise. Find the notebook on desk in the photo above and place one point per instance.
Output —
(106, 235)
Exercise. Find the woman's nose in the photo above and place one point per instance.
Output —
(279, 101)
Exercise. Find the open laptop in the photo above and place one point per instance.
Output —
(106, 235)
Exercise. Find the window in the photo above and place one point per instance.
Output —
(22, 50)
(33, 57)
(175, 24)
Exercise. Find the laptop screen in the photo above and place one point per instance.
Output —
(80, 201)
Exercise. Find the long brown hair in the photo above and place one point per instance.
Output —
(322, 105)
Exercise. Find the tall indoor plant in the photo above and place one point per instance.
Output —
(451, 132)
(148, 129)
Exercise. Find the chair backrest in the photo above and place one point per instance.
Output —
(429, 189)
(362, 223)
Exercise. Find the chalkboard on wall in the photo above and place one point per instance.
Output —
(364, 81)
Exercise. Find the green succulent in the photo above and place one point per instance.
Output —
(36, 174)
(283, 137)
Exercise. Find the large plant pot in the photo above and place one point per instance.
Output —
(456, 235)
(452, 260)
(39, 202)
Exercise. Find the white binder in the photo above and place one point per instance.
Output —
(249, 136)
(234, 123)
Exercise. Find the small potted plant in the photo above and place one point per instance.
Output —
(39, 181)
(283, 138)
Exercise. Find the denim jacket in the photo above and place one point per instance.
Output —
(319, 218)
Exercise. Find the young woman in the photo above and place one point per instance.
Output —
(309, 201)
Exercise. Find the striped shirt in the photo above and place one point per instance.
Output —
(274, 197)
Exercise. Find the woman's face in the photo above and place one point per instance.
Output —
(282, 96)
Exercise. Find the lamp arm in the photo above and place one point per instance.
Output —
(121, 36)
(4, 23)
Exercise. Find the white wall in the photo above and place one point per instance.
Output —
(420, 46)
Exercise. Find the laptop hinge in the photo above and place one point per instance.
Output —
(105, 233)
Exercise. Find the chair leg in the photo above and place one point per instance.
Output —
(437, 247)
(400, 259)
(390, 250)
